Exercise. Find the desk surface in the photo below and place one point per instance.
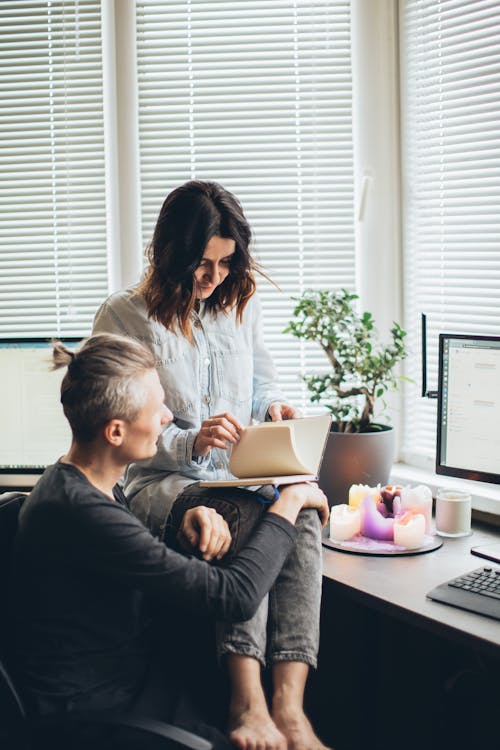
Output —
(397, 586)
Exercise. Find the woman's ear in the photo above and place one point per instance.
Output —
(114, 432)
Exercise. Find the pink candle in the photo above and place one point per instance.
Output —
(419, 500)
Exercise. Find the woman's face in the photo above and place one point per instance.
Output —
(214, 266)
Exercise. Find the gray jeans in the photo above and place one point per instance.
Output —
(286, 625)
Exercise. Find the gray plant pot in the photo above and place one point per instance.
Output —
(356, 458)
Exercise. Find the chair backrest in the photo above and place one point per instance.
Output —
(10, 505)
(12, 716)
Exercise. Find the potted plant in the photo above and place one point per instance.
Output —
(360, 450)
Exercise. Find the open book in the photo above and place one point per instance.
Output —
(277, 453)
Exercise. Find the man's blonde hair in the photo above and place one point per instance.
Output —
(102, 382)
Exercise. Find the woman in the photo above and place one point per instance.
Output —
(197, 312)
(86, 569)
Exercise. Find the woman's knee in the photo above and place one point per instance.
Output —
(240, 509)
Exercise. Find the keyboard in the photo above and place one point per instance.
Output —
(477, 591)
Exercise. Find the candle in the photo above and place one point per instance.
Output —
(390, 500)
(358, 492)
(373, 523)
(409, 530)
(345, 522)
(419, 500)
(453, 512)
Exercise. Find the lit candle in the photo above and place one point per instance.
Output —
(419, 500)
(358, 492)
(345, 522)
(409, 530)
(373, 523)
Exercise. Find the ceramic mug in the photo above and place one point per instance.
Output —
(453, 512)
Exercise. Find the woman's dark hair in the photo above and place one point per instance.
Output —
(102, 382)
(190, 216)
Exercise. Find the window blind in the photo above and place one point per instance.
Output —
(256, 95)
(53, 262)
(451, 157)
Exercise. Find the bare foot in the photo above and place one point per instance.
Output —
(253, 729)
(297, 729)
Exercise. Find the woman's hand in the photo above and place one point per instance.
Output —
(217, 432)
(204, 529)
(278, 411)
(294, 497)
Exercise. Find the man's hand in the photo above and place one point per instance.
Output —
(278, 411)
(204, 529)
(217, 432)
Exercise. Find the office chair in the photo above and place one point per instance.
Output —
(18, 731)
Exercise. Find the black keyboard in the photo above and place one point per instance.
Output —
(477, 591)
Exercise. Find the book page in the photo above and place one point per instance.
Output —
(294, 446)
(267, 449)
(310, 435)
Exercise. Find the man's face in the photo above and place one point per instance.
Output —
(142, 434)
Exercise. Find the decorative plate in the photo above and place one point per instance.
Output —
(362, 545)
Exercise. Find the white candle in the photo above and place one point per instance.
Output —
(358, 492)
(345, 522)
(453, 512)
(409, 530)
(419, 500)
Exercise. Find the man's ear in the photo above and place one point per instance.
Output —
(114, 431)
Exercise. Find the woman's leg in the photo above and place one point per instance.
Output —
(242, 645)
(292, 622)
(293, 632)
(250, 725)
(289, 681)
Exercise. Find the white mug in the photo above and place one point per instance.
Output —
(453, 512)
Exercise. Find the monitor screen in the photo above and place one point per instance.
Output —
(33, 429)
(468, 425)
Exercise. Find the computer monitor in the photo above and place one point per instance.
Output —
(33, 429)
(468, 419)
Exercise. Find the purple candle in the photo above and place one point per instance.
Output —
(373, 523)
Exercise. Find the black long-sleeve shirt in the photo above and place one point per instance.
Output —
(84, 569)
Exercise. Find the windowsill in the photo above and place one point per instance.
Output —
(485, 497)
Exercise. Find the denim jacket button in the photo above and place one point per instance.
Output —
(206, 398)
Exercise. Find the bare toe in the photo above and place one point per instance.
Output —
(255, 730)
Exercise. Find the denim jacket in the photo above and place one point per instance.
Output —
(226, 368)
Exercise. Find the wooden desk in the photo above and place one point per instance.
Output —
(397, 586)
(397, 670)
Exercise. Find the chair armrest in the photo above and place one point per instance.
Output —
(176, 737)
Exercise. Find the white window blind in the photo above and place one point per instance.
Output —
(53, 263)
(256, 95)
(451, 159)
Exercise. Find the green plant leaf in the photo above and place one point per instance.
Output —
(361, 368)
